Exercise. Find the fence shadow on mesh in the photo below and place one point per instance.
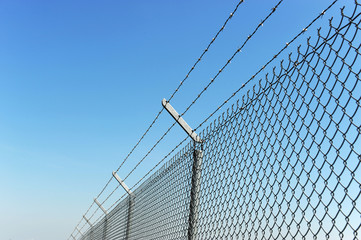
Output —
(282, 163)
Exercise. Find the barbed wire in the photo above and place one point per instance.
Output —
(146, 155)
(78, 231)
(140, 180)
(116, 202)
(243, 85)
(159, 162)
(171, 97)
(86, 223)
(264, 66)
(273, 10)
(91, 205)
(182, 82)
(199, 95)
(231, 58)
(207, 48)
(193, 102)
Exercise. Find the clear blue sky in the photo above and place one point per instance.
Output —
(82, 80)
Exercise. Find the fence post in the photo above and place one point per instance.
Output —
(196, 169)
(130, 210)
(195, 192)
(130, 203)
(105, 217)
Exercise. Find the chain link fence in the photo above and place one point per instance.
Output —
(282, 163)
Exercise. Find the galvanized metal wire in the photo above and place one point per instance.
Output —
(170, 98)
(282, 163)
(273, 10)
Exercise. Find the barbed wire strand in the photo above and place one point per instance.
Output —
(271, 60)
(159, 162)
(182, 82)
(207, 48)
(139, 181)
(199, 95)
(231, 58)
(86, 223)
(273, 10)
(91, 205)
(171, 97)
(193, 102)
(243, 85)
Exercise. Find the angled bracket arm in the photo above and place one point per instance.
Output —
(100, 206)
(121, 182)
(131, 203)
(79, 231)
(181, 121)
(87, 221)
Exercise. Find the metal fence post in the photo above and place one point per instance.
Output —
(105, 218)
(196, 169)
(130, 211)
(130, 203)
(195, 192)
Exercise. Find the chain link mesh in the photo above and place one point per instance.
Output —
(282, 163)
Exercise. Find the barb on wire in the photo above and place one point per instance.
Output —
(285, 157)
(172, 95)
(185, 78)
(273, 10)
(271, 60)
(146, 155)
(159, 162)
(194, 101)
(205, 50)
(243, 85)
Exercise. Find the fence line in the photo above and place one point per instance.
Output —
(284, 163)
(170, 98)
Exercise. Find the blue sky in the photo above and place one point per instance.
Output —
(82, 80)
